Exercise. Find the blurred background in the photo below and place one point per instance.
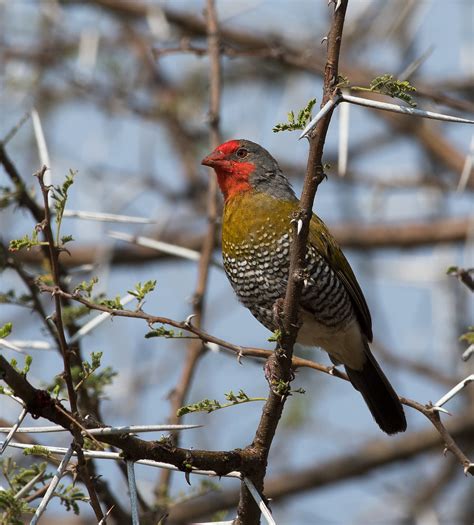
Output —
(120, 90)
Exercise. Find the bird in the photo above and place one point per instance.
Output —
(259, 206)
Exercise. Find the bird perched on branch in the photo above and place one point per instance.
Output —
(256, 237)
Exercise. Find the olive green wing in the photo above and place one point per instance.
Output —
(327, 246)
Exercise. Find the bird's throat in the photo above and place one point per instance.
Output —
(235, 181)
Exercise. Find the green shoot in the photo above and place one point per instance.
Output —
(209, 405)
(391, 86)
(300, 122)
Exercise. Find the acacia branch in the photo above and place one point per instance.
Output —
(49, 254)
(371, 455)
(240, 351)
(303, 59)
(54, 250)
(40, 404)
(278, 367)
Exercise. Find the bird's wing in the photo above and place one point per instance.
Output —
(327, 246)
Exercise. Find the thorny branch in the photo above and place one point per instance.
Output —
(279, 365)
(305, 59)
(45, 227)
(371, 455)
(257, 46)
(240, 351)
(89, 404)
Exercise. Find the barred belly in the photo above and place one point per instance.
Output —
(259, 275)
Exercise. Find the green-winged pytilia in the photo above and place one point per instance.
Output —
(256, 238)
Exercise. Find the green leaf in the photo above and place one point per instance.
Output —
(209, 405)
(66, 238)
(69, 497)
(304, 116)
(60, 194)
(27, 365)
(160, 332)
(37, 450)
(12, 508)
(87, 286)
(6, 330)
(113, 304)
(25, 242)
(388, 85)
(142, 290)
(468, 337)
(275, 337)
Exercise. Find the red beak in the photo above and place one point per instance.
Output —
(216, 158)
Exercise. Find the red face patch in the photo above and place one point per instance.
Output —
(232, 175)
(236, 179)
(229, 147)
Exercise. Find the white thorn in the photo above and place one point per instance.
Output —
(41, 144)
(14, 428)
(52, 485)
(467, 468)
(106, 217)
(467, 168)
(213, 347)
(439, 409)
(132, 488)
(455, 390)
(188, 320)
(395, 108)
(467, 353)
(299, 226)
(323, 111)
(343, 143)
(259, 501)
(165, 247)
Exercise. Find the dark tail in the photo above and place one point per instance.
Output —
(379, 395)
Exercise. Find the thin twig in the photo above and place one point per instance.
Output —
(14, 130)
(279, 366)
(45, 225)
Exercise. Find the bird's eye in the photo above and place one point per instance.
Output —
(242, 153)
